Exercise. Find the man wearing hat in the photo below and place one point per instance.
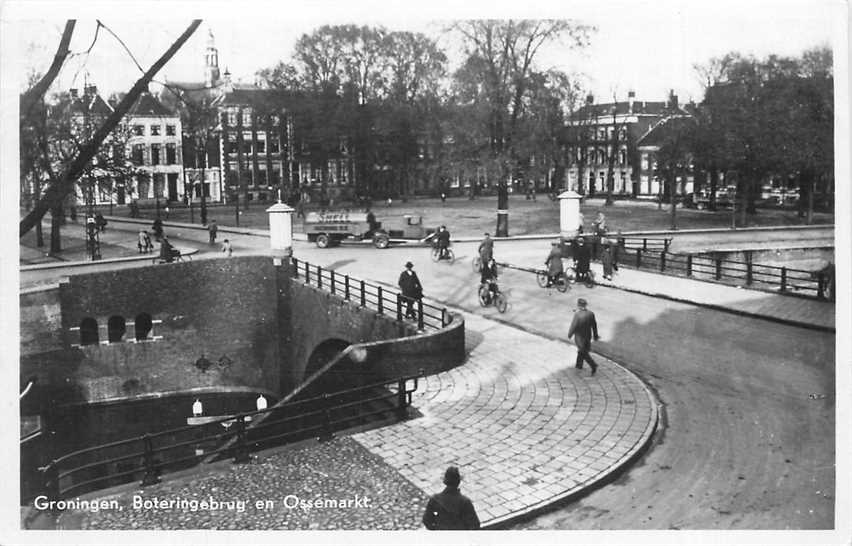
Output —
(582, 327)
(411, 289)
(449, 509)
(554, 263)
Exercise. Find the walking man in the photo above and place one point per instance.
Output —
(212, 229)
(411, 288)
(582, 327)
(449, 509)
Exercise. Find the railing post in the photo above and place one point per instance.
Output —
(689, 265)
(319, 276)
(363, 295)
(399, 306)
(381, 301)
(150, 477)
(443, 317)
(240, 449)
(666, 244)
(783, 279)
(821, 285)
(662, 261)
(346, 287)
(295, 263)
(307, 273)
(749, 273)
(638, 258)
(644, 243)
(718, 269)
(327, 434)
(332, 281)
(401, 405)
(419, 314)
(621, 242)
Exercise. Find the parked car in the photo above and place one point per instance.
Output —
(700, 200)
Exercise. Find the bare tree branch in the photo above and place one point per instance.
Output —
(34, 94)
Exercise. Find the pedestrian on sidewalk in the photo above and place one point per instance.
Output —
(608, 259)
(144, 243)
(226, 248)
(583, 325)
(449, 509)
(212, 229)
(411, 289)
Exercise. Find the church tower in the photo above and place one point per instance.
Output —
(211, 62)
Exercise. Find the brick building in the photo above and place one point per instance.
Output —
(602, 134)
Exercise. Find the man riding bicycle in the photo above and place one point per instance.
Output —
(167, 252)
(486, 249)
(489, 278)
(442, 240)
(554, 263)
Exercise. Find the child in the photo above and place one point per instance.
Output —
(226, 248)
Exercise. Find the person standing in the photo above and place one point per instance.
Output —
(554, 263)
(144, 243)
(411, 289)
(449, 509)
(608, 259)
(212, 230)
(582, 259)
(583, 326)
(226, 248)
(486, 249)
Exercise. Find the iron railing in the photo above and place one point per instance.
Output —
(372, 296)
(151, 455)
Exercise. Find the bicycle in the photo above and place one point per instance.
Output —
(178, 257)
(588, 280)
(449, 256)
(487, 297)
(561, 282)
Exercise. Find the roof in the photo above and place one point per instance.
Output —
(91, 104)
(662, 132)
(253, 96)
(657, 108)
(149, 106)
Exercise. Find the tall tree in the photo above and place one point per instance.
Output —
(504, 52)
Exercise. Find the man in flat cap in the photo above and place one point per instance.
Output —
(411, 289)
(582, 327)
(449, 509)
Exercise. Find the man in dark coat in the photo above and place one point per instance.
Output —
(582, 257)
(411, 289)
(442, 239)
(449, 509)
(582, 327)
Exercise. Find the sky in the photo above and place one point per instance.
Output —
(648, 47)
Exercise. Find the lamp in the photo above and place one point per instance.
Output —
(261, 403)
(197, 408)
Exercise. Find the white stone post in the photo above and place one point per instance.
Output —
(281, 231)
(569, 213)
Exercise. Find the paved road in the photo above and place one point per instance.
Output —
(748, 439)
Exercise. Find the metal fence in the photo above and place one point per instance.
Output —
(371, 296)
(151, 455)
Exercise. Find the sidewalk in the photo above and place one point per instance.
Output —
(524, 426)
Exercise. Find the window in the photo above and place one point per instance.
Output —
(171, 154)
(139, 130)
(622, 157)
(88, 331)
(116, 327)
(261, 146)
(155, 154)
(118, 152)
(159, 184)
(231, 147)
(138, 154)
(143, 325)
(232, 116)
(247, 117)
(274, 145)
(155, 130)
(170, 130)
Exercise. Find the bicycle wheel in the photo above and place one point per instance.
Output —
(483, 296)
(562, 283)
(477, 264)
(451, 257)
(501, 303)
(541, 278)
(436, 254)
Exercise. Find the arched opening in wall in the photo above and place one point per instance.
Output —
(142, 326)
(89, 331)
(341, 376)
(116, 328)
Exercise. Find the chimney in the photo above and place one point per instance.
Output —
(90, 90)
(590, 99)
(672, 100)
(74, 94)
(631, 98)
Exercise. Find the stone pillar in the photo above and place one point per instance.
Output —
(569, 213)
(280, 231)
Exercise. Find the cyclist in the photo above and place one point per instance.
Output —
(442, 239)
(167, 252)
(554, 263)
(486, 249)
(489, 278)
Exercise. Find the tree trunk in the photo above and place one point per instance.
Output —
(55, 227)
(502, 210)
(714, 185)
(811, 191)
(672, 191)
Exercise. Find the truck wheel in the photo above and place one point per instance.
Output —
(381, 241)
(323, 240)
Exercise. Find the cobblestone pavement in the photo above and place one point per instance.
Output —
(524, 426)
(368, 494)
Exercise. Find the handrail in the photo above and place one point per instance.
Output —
(369, 295)
(54, 473)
